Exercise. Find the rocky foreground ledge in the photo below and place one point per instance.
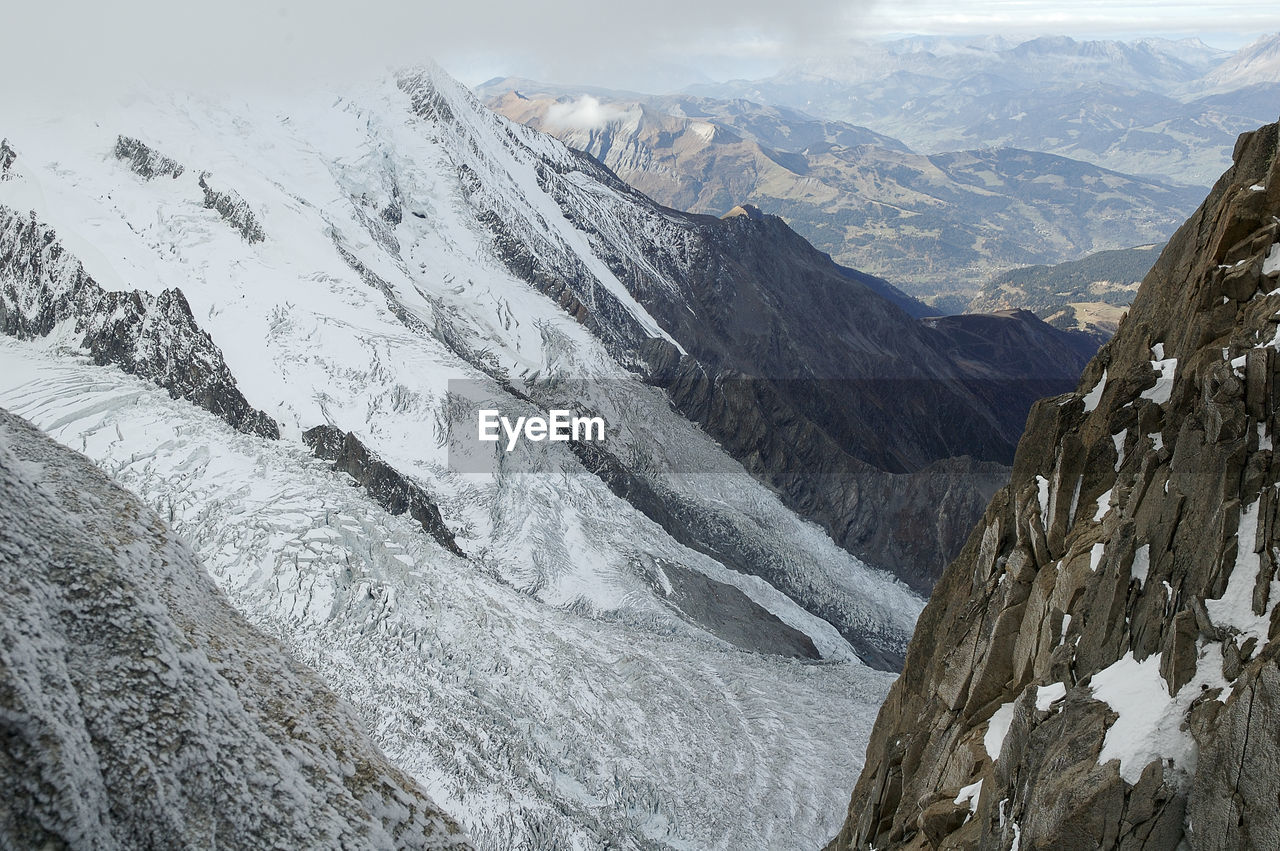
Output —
(1098, 668)
(139, 710)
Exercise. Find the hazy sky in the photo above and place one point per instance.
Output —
(71, 48)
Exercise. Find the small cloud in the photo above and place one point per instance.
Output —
(584, 113)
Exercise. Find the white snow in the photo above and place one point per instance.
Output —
(1141, 564)
(1048, 695)
(969, 795)
(1104, 505)
(1095, 555)
(1092, 398)
(1271, 265)
(1234, 608)
(997, 729)
(1075, 500)
(1163, 388)
(1119, 439)
(1150, 723)
(1042, 494)
(1237, 366)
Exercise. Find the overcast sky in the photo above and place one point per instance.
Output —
(73, 48)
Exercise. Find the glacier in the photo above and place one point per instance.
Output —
(561, 684)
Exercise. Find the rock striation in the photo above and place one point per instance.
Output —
(1098, 668)
(139, 710)
(233, 209)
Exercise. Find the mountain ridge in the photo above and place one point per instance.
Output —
(926, 222)
(1085, 93)
(1100, 662)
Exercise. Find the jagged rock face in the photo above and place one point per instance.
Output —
(1098, 669)
(151, 336)
(144, 161)
(7, 157)
(389, 488)
(234, 209)
(139, 710)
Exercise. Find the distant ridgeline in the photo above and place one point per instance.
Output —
(1088, 295)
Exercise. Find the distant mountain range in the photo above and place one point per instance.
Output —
(1167, 109)
(931, 224)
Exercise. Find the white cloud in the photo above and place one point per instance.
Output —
(69, 48)
(584, 113)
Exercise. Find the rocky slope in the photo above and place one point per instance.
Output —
(141, 711)
(929, 223)
(1089, 295)
(1099, 666)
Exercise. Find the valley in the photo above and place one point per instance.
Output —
(871, 449)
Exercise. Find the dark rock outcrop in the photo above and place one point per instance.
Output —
(387, 486)
(234, 209)
(152, 336)
(138, 709)
(7, 157)
(145, 161)
(1098, 668)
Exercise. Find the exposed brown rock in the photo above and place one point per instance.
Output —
(1123, 536)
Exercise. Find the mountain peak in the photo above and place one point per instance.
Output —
(751, 211)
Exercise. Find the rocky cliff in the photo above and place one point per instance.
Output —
(139, 710)
(1098, 668)
(43, 286)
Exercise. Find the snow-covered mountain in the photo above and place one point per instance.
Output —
(650, 648)
(1157, 64)
(142, 711)
(1258, 62)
